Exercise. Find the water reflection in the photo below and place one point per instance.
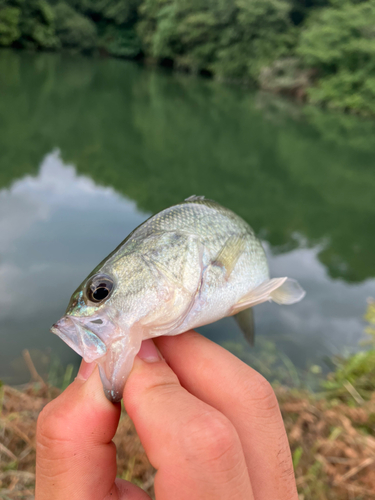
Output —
(139, 140)
(159, 137)
(58, 225)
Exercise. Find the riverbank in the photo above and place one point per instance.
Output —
(332, 443)
(318, 52)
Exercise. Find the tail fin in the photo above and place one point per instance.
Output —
(289, 292)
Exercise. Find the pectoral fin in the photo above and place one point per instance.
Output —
(245, 320)
(280, 290)
(230, 253)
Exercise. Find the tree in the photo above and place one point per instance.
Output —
(340, 43)
(116, 11)
(27, 23)
(115, 20)
(263, 33)
(73, 29)
(37, 25)
(230, 38)
(9, 30)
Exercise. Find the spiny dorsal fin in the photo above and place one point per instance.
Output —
(193, 197)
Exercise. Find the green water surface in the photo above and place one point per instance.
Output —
(91, 147)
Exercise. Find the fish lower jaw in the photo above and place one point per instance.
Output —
(113, 392)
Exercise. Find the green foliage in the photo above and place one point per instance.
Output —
(72, 24)
(354, 378)
(315, 485)
(232, 38)
(27, 23)
(370, 318)
(265, 33)
(185, 33)
(120, 12)
(9, 30)
(301, 9)
(340, 43)
(60, 375)
(120, 41)
(346, 91)
(37, 25)
(73, 29)
(115, 21)
(297, 454)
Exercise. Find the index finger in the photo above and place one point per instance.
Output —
(221, 380)
(76, 458)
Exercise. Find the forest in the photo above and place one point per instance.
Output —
(318, 51)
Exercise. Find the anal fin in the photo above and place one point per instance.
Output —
(245, 320)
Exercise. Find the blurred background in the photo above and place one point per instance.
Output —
(112, 110)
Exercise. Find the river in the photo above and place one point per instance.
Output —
(90, 147)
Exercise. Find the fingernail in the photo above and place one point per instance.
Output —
(85, 370)
(148, 352)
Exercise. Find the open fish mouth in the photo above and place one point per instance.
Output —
(82, 340)
(115, 360)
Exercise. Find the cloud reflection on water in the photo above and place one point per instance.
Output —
(58, 225)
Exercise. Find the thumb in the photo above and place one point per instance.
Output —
(76, 458)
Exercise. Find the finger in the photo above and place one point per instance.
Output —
(76, 458)
(195, 449)
(224, 382)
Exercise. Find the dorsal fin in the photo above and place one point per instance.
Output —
(193, 197)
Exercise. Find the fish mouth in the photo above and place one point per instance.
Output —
(81, 339)
(114, 357)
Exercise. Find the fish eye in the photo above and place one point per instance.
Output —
(99, 287)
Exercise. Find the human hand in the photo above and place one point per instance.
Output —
(210, 425)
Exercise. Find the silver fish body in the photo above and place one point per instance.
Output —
(187, 266)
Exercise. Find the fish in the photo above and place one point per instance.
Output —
(186, 266)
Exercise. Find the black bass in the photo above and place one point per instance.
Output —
(184, 267)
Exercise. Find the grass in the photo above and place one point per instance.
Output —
(332, 444)
(354, 377)
(20, 410)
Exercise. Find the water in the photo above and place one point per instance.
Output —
(89, 148)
